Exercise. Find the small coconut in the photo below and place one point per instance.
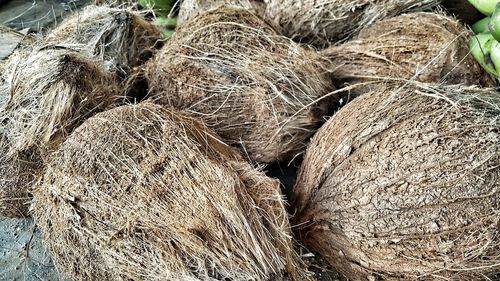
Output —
(192, 8)
(322, 22)
(120, 37)
(426, 47)
(256, 89)
(403, 183)
(46, 93)
(143, 192)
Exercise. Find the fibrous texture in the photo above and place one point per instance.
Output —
(144, 192)
(256, 89)
(46, 94)
(322, 22)
(191, 8)
(404, 183)
(426, 47)
(121, 38)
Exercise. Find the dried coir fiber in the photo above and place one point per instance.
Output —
(403, 183)
(256, 89)
(426, 47)
(47, 93)
(145, 192)
(120, 37)
(192, 8)
(323, 22)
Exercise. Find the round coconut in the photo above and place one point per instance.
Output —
(256, 89)
(143, 192)
(120, 37)
(322, 22)
(192, 8)
(403, 184)
(48, 93)
(426, 47)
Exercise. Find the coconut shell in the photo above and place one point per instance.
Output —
(426, 47)
(192, 8)
(257, 90)
(403, 184)
(323, 22)
(120, 37)
(47, 94)
(143, 192)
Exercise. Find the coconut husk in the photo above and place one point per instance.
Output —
(47, 93)
(403, 184)
(323, 22)
(143, 192)
(120, 37)
(191, 8)
(17, 173)
(426, 47)
(256, 89)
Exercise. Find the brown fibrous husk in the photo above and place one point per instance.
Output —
(256, 89)
(403, 184)
(143, 192)
(121, 38)
(192, 8)
(47, 93)
(323, 22)
(426, 47)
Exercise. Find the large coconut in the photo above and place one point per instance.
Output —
(404, 183)
(143, 192)
(120, 37)
(47, 94)
(426, 47)
(192, 8)
(322, 22)
(254, 88)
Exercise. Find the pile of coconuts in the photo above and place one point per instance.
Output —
(143, 158)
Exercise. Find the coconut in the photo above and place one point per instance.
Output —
(403, 184)
(120, 37)
(256, 89)
(47, 94)
(322, 22)
(426, 47)
(192, 8)
(143, 192)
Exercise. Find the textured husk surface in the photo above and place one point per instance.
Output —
(256, 89)
(426, 47)
(403, 183)
(323, 22)
(192, 8)
(121, 38)
(45, 94)
(143, 192)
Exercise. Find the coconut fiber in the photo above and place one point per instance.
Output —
(426, 47)
(143, 192)
(404, 183)
(47, 93)
(121, 38)
(322, 22)
(192, 8)
(256, 89)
